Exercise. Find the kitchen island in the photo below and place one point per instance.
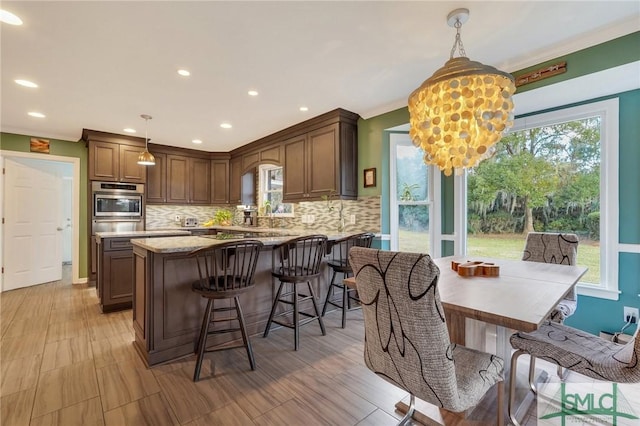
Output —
(167, 315)
(114, 266)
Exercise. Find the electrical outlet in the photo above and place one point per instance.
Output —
(311, 218)
(304, 218)
(631, 314)
(352, 219)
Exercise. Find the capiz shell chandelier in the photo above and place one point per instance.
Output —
(460, 112)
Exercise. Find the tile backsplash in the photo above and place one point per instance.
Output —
(325, 215)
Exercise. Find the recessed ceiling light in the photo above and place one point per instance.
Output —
(197, 141)
(184, 73)
(226, 125)
(253, 93)
(26, 83)
(37, 114)
(9, 18)
(129, 130)
(304, 109)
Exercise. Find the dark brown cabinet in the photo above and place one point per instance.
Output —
(321, 161)
(188, 180)
(157, 180)
(115, 162)
(235, 181)
(115, 274)
(219, 181)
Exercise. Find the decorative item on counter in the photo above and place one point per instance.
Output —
(223, 217)
(475, 269)
(208, 223)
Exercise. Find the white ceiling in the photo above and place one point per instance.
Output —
(100, 64)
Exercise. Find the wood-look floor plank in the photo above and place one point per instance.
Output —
(256, 391)
(150, 411)
(23, 346)
(65, 386)
(40, 306)
(36, 324)
(66, 330)
(378, 418)
(320, 393)
(109, 325)
(85, 413)
(20, 374)
(292, 412)
(190, 400)
(61, 353)
(16, 407)
(113, 349)
(229, 415)
(125, 382)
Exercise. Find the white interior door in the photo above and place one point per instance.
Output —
(32, 244)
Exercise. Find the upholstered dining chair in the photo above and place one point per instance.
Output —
(562, 249)
(576, 351)
(406, 337)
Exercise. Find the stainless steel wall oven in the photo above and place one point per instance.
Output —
(116, 207)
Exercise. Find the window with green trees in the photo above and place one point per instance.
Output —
(547, 175)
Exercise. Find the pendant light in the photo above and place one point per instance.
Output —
(460, 112)
(146, 158)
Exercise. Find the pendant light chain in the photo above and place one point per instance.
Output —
(458, 41)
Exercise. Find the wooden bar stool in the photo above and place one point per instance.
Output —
(339, 263)
(226, 271)
(296, 262)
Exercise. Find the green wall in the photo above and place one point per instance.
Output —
(593, 314)
(13, 142)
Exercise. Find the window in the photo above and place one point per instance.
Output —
(271, 192)
(554, 172)
(410, 198)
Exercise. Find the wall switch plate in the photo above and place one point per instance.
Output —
(304, 218)
(352, 219)
(631, 313)
(311, 218)
(177, 218)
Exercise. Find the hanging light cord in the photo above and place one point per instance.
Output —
(146, 134)
(458, 41)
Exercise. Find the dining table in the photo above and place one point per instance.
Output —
(517, 295)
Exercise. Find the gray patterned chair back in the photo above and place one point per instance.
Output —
(406, 337)
(547, 247)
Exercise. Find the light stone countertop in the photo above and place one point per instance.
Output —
(139, 234)
(190, 243)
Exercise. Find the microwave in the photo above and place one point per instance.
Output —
(116, 200)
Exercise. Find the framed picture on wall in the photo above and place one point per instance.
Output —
(369, 177)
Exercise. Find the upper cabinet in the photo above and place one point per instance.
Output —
(320, 162)
(319, 157)
(235, 180)
(188, 180)
(157, 180)
(219, 181)
(180, 176)
(114, 157)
